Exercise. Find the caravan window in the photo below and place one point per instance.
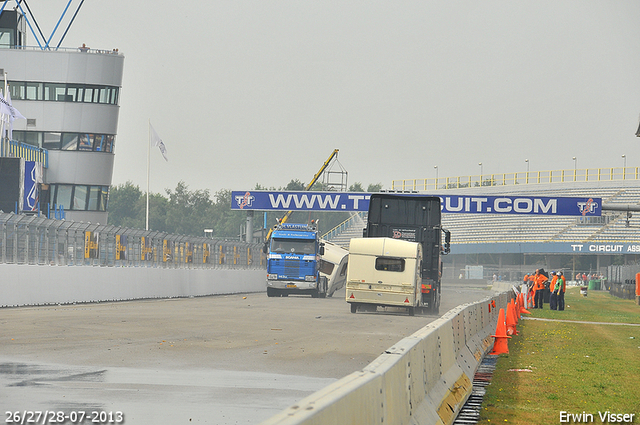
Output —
(390, 264)
(326, 267)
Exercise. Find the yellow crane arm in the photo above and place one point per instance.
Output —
(313, 181)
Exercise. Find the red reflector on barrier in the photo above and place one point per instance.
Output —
(407, 300)
(352, 296)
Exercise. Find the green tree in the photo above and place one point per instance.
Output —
(374, 187)
(225, 222)
(295, 185)
(356, 187)
(188, 212)
(127, 206)
(158, 207)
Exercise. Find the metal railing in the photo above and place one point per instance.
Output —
(67, 49)
(356, 218)
(528, 177)
(15, 149)
(29, 239)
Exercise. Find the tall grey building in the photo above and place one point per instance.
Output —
(70, 97)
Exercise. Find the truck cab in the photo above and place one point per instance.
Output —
(293, 261)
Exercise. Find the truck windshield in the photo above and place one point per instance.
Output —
(296, 246)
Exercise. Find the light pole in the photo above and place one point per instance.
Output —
(624, 167)
(436, 168)
(526, 177)
(624, 159)
(527, 161)
(575, 167)
(480, 164)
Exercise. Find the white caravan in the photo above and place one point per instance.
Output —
(384, 272)
(333, 265)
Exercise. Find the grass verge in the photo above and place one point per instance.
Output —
(556, 366)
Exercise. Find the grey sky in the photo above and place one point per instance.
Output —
(246, 92)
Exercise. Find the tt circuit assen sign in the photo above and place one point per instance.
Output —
(470, 204)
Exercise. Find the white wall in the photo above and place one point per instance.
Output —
(37, 285)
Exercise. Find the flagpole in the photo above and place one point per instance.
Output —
(148, 161)
(3, 115)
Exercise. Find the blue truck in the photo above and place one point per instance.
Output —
(294, 260)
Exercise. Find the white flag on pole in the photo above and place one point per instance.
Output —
(4, 106)
(157, 141)
(13, 114)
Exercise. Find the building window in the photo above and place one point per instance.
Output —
(51, 141)
(104, 196)
(79, 197)
(57, 92)
(63, 195)
(94, 198)
(29, 137)
(86, 142)
(33, 91)
(67, 141)
(16, 88)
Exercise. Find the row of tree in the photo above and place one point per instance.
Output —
(189, 212)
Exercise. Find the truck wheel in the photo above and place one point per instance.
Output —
(271, 292)
(412, 311)
(354, 307)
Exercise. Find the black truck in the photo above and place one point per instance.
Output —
(413, 218)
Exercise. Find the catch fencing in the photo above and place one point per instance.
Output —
(30, 239)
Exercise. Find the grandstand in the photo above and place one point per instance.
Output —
(612, 227)
(517, 243)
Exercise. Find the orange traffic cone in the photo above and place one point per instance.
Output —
(522, 309)
(511, 320)
(500, 345)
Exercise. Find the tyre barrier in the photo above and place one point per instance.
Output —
(423, 379)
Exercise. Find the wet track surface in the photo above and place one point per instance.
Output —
(234, 359)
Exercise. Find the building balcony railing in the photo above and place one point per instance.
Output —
(63, 49)
(15, 149)
(512, 179)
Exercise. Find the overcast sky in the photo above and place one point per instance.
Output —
(246, 92)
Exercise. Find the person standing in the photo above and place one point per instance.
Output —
(553, 296)
(561, 288)
(539, 281)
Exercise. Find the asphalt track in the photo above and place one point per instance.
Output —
(233, 359)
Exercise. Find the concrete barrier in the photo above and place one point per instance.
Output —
(22, 285)
(423, 379)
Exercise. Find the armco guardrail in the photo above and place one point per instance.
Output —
(45, 261)
(29, 239)
(423, 379)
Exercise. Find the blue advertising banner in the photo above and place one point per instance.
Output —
(468, 204)
(615, 248)
(30, 200)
